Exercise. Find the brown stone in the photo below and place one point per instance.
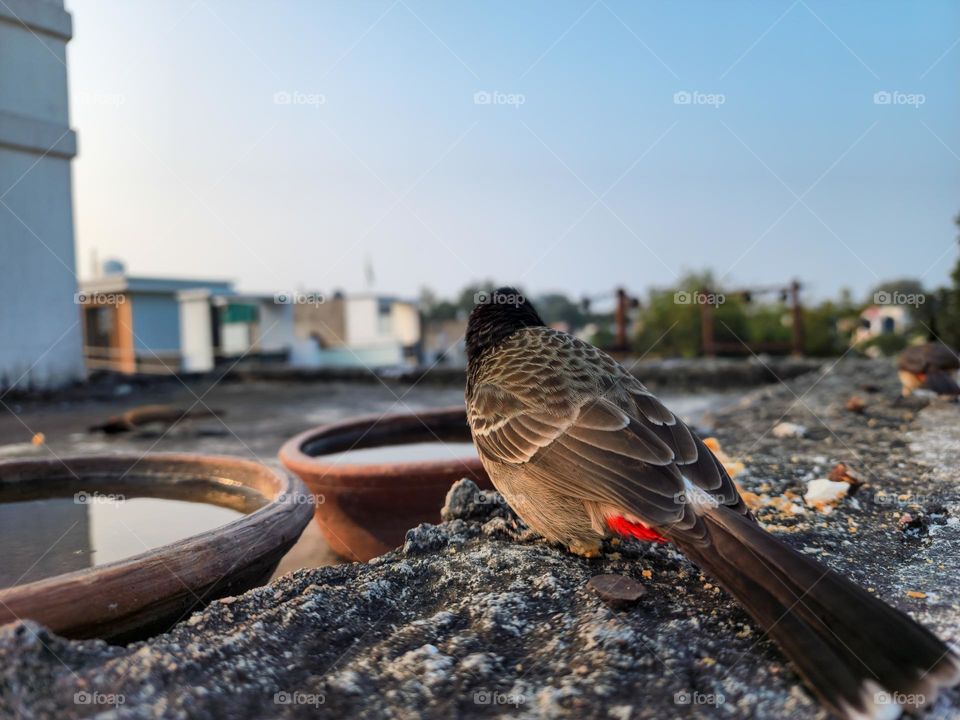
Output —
(617, 590)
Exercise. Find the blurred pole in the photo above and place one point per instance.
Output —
(797, 318)
(621, 320)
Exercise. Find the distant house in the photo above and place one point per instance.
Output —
(882, 320)
(39, 323)
(358, 330)
(444, 342)
(134, 324)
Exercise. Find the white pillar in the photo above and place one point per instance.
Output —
(196, 331)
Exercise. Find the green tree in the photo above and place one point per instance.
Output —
(946, 318)
(669, 322)
(557, 307)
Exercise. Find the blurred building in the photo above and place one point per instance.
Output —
(360, 330)
(878, 320)
(444, 342)
(40, 343)
(137, 324)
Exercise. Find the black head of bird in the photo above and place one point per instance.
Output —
(495, 317)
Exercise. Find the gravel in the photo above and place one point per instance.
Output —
(476, 618)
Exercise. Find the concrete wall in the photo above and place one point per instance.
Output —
(326, 320)
(40, 331)
(371, 357)
(362, 322)
(405, 323)
(156, 323)
(275, 329)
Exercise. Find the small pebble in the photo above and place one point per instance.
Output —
(856, 404)
(789, 430)
(617, 590)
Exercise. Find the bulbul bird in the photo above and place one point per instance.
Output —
(581, 450)
(931, 366)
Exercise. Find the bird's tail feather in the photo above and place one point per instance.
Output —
(861, 657)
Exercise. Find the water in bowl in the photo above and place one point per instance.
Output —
(405, 452)
(44, 537)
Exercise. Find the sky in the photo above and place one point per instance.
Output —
(571, 146)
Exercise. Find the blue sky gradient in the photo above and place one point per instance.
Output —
(189, 165)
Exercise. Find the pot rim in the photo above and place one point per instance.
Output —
(289, 497)
(314, 469)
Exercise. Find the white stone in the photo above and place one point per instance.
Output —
(821, 492)
(789, 430)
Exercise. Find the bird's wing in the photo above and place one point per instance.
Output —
(630, 451)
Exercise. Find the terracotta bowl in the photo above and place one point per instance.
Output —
(365, 510)
(138, 596)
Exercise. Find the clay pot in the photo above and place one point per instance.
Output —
(146, 593)
(365, 510)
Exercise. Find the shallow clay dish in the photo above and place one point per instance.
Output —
(146, 593)
(365, 509)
